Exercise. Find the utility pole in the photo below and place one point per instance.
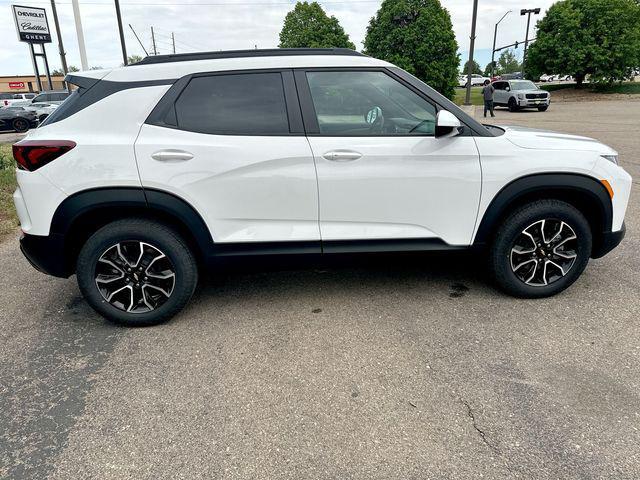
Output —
(493, 52)
(153, 41)
(527, 12)
(81, 47)
(173, 42)
(138, 38)
(121, 31)
(467, 99)
(63, 57)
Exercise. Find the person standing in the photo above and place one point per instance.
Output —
(487, 95)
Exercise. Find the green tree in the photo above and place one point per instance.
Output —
(58, 71)
(487, 69)
(308, 26)
(600, 38)
(508, 63)
(475, 68)
(416, 35)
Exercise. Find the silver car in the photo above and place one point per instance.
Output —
(517, 94)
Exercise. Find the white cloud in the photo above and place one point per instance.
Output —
(225, 24)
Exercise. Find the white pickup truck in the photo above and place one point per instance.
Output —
(15, 99)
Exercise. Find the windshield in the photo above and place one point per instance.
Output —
(523, 85)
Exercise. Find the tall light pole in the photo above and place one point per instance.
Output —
(528, 12)
(121, 32)
(80, 34)
(467, 99)
(493, 51)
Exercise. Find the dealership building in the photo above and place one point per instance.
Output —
(28, 83)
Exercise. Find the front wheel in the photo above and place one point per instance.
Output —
(136, 272)
(543, 109)
(513, 106)
(540, 249)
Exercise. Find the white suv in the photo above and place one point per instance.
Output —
(151, 172)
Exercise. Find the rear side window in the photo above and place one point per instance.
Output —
(234, 104)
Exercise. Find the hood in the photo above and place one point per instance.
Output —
(544, 139)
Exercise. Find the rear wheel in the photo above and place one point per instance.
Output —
(513, 106)
(136, 272)
(541, 249)
(20, 125)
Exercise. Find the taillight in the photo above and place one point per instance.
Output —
(33, 154)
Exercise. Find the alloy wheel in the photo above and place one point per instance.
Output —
(135, 277)
(544, 252)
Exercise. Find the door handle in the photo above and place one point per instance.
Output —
(172, 156)
(342, 156)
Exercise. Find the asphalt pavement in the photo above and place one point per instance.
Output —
(408, 367)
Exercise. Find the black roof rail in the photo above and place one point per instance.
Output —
(267, 52)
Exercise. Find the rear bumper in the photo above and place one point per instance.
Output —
(610, 240)
(46, 254)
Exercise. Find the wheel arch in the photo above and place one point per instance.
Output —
(83, 213)
(585, 193)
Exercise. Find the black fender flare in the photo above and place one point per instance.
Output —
(116, 202)
(558, 185)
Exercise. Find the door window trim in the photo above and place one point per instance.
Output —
(163, 114)
(310, 117)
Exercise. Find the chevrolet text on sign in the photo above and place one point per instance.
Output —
(32, 24)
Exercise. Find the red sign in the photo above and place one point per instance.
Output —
(17, 85)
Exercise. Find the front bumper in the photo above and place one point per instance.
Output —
(537, 102)
(46, 254)
(610, 240)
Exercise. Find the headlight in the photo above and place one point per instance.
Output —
(521, 96)
(611, 158)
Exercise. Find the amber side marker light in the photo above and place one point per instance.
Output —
(607, 185)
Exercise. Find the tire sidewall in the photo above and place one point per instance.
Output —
(516, 224)
(19, 121)
(160, 237)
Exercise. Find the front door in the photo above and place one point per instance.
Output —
(382, 173)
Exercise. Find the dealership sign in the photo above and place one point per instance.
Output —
(32, 24)
(16, 85)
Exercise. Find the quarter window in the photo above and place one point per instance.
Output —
(234, 104)
(365, 103)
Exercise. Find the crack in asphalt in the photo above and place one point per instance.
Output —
(481, 432)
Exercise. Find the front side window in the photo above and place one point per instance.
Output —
(364, 103)
(40, 98)
(234, 104)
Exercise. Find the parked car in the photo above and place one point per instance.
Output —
(512, 76)
(42, 111)
(50, 98)
(518, 94)
(15, 99)
(151, 173)
(546, 78)
(476, 80)
(17, 119)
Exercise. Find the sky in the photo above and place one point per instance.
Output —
(207, 25)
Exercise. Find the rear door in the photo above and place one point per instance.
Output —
(382, 173)
(232, 145)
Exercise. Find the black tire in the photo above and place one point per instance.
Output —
(513, 106)
(156, 236)
(42, 117)
(20, 125)
(511, 231)
(543, 109)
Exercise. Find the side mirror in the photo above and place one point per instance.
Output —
(447, 124)
(507, 88)
(373, 115)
